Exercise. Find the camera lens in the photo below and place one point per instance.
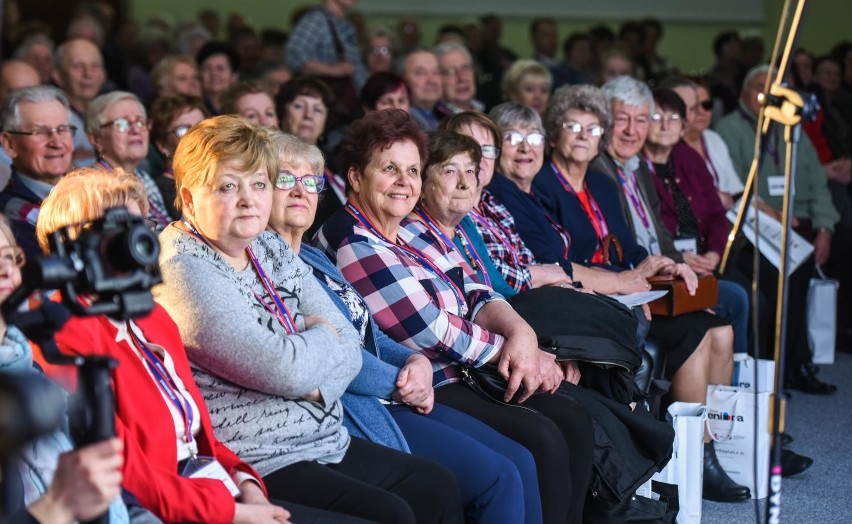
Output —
(135, 248)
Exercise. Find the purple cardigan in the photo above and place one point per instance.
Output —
(696, 182)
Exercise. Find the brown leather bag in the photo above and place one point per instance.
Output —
(678, 301)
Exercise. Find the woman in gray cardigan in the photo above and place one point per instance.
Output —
(272, 353)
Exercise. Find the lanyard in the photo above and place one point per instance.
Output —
(166, 383)
(471, 253)
(409, 251)
(500, 232)
(593, 211)
(279, 311)
(338, 188)
(563, 233)
(709, 162)
(160, 217)
(632, 191)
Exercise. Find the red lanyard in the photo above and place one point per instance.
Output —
(471, 253)
(409, 251)
(166, 382)
(279, 311)
(593, 212)
(633, 194)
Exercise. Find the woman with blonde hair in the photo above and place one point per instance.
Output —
(529, 83)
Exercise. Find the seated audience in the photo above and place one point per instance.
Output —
(37, 51)
(420, 296)
(385, 91)
(251, 100)
(379, 51)
(529, 83)
(176, 75)
(420, 70)
(14, 74)
(219, 66)
(458, 80)
(271, 351)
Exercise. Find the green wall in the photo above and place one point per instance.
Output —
(688, 44)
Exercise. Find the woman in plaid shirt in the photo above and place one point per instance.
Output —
(420, 296)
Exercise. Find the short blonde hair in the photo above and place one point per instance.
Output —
(221, 139)
(230, 98)
(162, 71)
(292, 150)
(83, 195)
(522, 71)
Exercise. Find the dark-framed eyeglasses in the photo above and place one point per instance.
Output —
(515, 139)
(44, 133)
(311, 183)
(13, 255)
(123, 125)
(491, 152)
(575, 128)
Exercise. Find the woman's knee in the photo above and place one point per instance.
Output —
(722, 342)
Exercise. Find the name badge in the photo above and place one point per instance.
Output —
(654, 247)
(209, 468)
(776, 185)
(686, 245)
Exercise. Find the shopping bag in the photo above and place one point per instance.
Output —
(732, 423)
(757, 376)
(686, 467)
(822, 317)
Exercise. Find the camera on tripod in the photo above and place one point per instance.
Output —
(107, 268)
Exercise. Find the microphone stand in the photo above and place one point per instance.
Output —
(783, 106)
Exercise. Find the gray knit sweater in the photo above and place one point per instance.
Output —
(251, 373)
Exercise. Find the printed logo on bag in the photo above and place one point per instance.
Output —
(724, 415)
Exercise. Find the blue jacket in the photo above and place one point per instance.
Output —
(565, 207)
(364, 416)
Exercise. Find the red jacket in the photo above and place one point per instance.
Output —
(144, 423)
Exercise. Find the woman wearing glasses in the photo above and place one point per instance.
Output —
(171, 118)
(117, 126)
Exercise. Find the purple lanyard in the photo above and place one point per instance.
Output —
(502, 236)
(409, 251)
(563, 233)
(159, 217)
(633, 195)
(332, 180)
(166, 382)
(279, 311)
(478, 264)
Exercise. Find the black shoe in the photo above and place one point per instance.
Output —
(805, 380)
(792, 463)
(718, 486)
(786, 439)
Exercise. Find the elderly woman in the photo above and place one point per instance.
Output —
(486, 463)
(172, 117)
(380, 51)
(385, 90)
(160, 438)
(529, 83)
(251, 100)
(176, 75)
(118, 128)
(420, 296)
(272, 353)
(219, 65)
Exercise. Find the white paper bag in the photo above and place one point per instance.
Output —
(731, 421)
(686, 467)
(748, 372)
(822, 317)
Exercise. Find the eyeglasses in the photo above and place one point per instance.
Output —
(673, 118)
(381, 50)
(311, 183)
(456, 71)
(533, 139)
(575, 128)
(43, 133)
(179, 131)
(13, 255)
(706, 105)
(491, 152)
(123, 125)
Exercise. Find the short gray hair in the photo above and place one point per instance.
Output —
(754, 72)
(292, 150)
(448, 47)
(510, 114)
(586, 98)
(101, 103)
(30, 41)
(400, 62)
(629, 91)
(62, 50)
(185, 36)
(33, 95)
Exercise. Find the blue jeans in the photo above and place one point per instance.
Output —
(497, 475)
(733, 307)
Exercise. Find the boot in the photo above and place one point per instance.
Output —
(718, 486)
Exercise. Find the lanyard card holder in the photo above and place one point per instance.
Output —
(209, 468)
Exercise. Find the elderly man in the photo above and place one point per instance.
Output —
(78, 69)
(458, 80)
(38, 135)
(420, 70)
(815, 217)
(14, 74)
(37, 50)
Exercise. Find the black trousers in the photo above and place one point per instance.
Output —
(372, 482)
(559, 435)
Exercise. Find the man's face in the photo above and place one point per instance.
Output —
(629, 130)
(47, 158)
(754, 88)
(424, 77)
(81, 74)
(545, 39)
(458, 78)
(17, 75)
